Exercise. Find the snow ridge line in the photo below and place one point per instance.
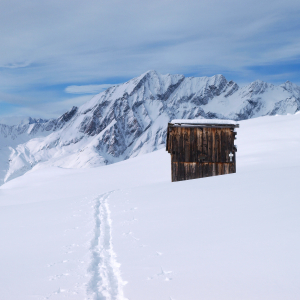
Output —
(105, 278)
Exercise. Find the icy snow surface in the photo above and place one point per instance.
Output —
(124, 231)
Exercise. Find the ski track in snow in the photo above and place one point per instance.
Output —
(105, 279)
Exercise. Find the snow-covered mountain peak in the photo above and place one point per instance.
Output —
(259, 87)
(218, 79)
(36, 121)
(131, 118)
(20, 121)
(291, 87)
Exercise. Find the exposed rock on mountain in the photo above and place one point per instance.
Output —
(131, 119)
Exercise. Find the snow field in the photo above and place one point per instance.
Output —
(52, 238)
(85, 233)
(214, 239)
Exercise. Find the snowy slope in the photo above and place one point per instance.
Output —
(131, 119)
(11, 136)
(124, 231)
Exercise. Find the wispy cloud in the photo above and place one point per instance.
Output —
(16, 65)
(47, 109)
(87, 89)
(84, 45)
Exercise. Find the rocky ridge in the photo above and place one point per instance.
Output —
(131, 118)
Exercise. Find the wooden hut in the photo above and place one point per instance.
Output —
(201, 148)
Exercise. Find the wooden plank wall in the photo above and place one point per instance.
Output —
(185, 171)
(200, 151)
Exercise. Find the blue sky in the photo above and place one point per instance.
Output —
(56, 54)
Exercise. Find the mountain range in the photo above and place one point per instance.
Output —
(131, 119)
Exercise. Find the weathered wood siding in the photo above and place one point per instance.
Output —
(200, 151)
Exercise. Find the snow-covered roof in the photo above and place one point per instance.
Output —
(204, 122)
